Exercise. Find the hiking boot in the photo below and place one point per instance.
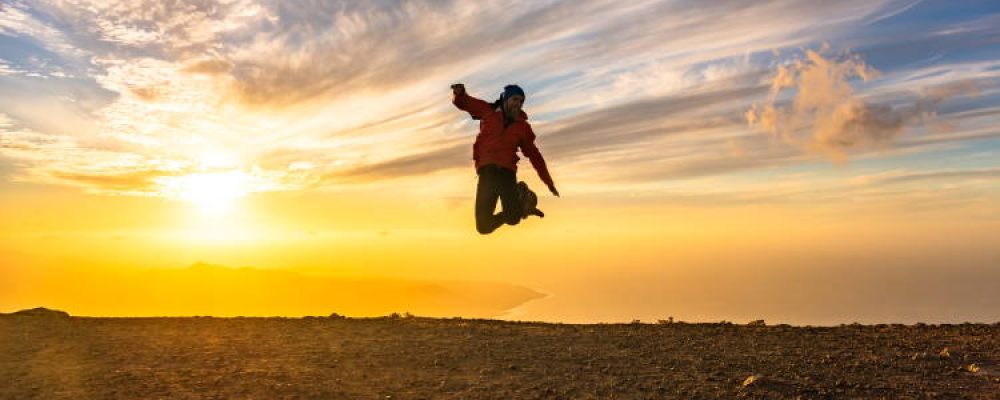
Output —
(529, 201)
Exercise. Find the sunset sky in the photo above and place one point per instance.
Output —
(795, 161)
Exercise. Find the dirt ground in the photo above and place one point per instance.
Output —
(58, 357)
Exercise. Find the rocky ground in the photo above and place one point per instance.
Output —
(52, 356)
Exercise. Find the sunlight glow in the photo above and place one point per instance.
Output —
(218, 159)
(214, 193)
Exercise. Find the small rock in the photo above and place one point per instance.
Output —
(750, 380)
(944, 353)
(758, 322)
(973, 368)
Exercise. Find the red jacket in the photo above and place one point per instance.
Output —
(497, 145)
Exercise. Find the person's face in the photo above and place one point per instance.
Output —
(513, 104)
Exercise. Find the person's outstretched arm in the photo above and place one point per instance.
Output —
(531, 151)
(475, 107)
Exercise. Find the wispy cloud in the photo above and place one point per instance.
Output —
(308, 95)
(900, 177)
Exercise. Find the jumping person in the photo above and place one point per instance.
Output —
(503, 128)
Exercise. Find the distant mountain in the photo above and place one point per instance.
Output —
(215, 290)
(40, 312)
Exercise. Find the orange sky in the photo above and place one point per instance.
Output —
(794, 162)
(646, 260)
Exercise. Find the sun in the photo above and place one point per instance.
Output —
(214, 193)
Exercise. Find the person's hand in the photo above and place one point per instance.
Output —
(458, 89)
(552, 188)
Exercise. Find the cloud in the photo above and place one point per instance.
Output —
(208, 67)
(19, 142)
(902, 177)
(680, 135)
(631, 123)
(7, 167)
(126, 34)
(160, 29)
(587, 136)
(825, 113)
(7, 69)
(18, 19)
(143, 181)
(58, 159)
(146, 93)
(374, 46)
(418, 164)
(901, 189)
(359, 90)
(893, 192)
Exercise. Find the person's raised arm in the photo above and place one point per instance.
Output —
(531, 151)
(475, 107)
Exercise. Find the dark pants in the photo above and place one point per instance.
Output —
(496, 182)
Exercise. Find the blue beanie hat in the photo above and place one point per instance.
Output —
(511, 90)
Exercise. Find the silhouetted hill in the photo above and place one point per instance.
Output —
(38, 312)
(215, 290)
